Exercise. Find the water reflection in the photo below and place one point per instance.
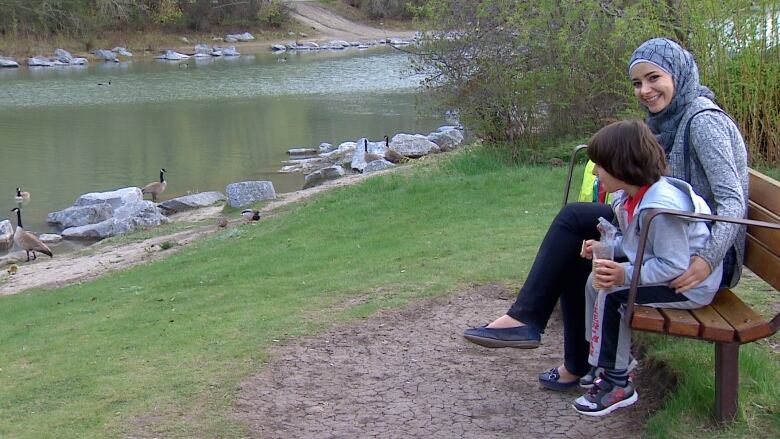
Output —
(210, 123)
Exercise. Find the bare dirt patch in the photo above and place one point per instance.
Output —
(409, 373)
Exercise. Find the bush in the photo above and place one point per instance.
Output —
(274, 14)
(523, 74)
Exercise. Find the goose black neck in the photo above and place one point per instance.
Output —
(161, 177)
(18, 192)
(19, 218)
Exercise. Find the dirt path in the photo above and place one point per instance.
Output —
(328, 24)
(410, 374)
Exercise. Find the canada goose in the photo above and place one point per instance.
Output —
(392, 155)
(26, 240)
(104, 83)
(370, 156)
(250, 215)
(157, 187)
(21, 196)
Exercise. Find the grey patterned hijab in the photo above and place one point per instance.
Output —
(678, 62)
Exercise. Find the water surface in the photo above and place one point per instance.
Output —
(208, 122)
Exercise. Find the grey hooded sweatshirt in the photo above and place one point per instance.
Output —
(671, 241)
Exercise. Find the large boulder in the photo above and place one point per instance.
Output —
(448, 138)
(377, 165)
(106, 55)
(98, 215)
(8, 62)
(76, 216)
(6, 235)
(194, 201)
(244, 193)
(318, 177)
(413, 145)
(363, 148)
(63, 55)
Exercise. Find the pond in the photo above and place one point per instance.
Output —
(64, 131)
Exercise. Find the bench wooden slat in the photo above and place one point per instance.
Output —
(762, 262)
(647, 319)
(680, 322)
(763, 191)
(713, 326)
(749, 326)
(768, 237)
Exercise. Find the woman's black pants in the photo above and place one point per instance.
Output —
(559, 272)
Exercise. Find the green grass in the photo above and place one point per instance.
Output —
(158, 350)
(687, 413)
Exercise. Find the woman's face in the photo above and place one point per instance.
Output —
(652, 86)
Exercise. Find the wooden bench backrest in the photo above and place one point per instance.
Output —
(762, 252)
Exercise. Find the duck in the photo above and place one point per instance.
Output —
(250, 215)
(21, 196)
(370, 156)
(26, 240)
(392, 155)
(156, 187)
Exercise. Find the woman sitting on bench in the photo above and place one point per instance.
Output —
(703, 147)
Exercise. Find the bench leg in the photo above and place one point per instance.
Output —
(726, 381)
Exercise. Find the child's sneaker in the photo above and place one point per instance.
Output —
(604, 398)
(586, 382)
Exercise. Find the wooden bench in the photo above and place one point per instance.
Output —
(727, 321)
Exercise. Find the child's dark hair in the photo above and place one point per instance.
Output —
(628, 151)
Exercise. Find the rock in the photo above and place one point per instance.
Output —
(305, 165)
(318, 177)
(76, 216)
(194, 201)
(377, 165)
(63, 55)
(106, 55)
(203, 50)
(326, 148)
(121, 51)
(50, 238)
(448, 139)
(228, 51)
(172, 55)
(413, 145)
(8, 62)
(247, 192)
(246, 36)
(78, 61)
(358, 161)
(6, 235)
(279, 48)
(138, 215)
(39, 61)
(302, 151)
(103, 214)
(115, 199)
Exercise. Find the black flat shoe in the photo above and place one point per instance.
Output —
(521, 337)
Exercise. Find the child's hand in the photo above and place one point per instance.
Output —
(587, 249)
(607, 274)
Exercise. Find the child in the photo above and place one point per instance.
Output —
(630, 163)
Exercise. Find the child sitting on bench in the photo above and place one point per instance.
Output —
(630, 163)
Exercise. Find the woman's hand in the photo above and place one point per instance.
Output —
(607, 274)
(697, 271)
(587, 249)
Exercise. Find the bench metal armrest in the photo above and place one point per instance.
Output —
(574, 153)
(652, 214)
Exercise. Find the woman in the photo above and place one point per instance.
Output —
(666, 82)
